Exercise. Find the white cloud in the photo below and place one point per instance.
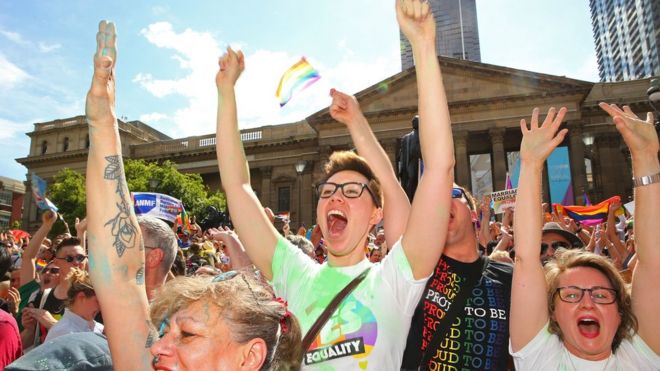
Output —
(10, 74)
(197, 53)
(15, 37)
(12, 128)
(47, 48)
(149, 118)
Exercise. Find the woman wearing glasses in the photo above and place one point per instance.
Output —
(367, 330)
(579, 314)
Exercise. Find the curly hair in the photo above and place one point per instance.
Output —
(79, 281)
(248, 308)
(350, 161)
(567, 259)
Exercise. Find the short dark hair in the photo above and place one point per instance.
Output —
(70, 241)
(350, 161)
(5, 260)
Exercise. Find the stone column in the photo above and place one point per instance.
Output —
(499, 158)
(266, 173)
(462, 168)
(576, 155)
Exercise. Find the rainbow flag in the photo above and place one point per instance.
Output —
(587, 215)
(183, 219)
(298, 77)
(40, 264)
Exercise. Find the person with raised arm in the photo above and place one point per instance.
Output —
(577, 313)
(369, 325)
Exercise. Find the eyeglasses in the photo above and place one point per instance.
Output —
(348, 189)
(70, 258)
(599, 295)
(460, 193)
(51, 270)
(555, 245)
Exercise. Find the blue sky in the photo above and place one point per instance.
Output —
(168, 56)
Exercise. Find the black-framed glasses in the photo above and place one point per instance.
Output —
(348, 189)
(70, 258)
(51, 270)
(599, 295)
(457, 192)
(555, 245)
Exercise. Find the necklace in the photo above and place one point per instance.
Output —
(570, 359)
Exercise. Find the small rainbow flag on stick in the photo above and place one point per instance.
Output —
(298, 77)
(588, 215)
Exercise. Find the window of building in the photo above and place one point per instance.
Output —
(44, 147)
(5, 197)
(65, 144)
(283, 199)
(4, 221)
(481, 174)
(87, 142)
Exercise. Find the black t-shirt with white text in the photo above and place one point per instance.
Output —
(478, 337)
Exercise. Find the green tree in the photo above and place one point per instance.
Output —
(68, 189)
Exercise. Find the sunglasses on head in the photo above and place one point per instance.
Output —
(51, 270)
(70, 258)
(555, 245)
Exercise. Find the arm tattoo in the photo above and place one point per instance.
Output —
(139, 276)
(121, 228)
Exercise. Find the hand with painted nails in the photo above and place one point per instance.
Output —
(231, 66)
(539, 142)
(100, 104)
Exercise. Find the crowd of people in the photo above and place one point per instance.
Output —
(379, 283)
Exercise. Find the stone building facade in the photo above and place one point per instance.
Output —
(486, 105)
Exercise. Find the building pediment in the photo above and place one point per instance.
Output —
(466, 83)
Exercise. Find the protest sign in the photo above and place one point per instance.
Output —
(157, 205)
(503, 200)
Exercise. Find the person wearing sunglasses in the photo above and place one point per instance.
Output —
(577, 313)
(554, 237)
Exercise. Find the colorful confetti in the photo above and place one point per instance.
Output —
(297, 78)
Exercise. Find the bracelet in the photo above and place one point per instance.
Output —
(646, 180)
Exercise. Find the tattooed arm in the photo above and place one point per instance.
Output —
(116, 256)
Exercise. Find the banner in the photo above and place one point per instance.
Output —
(157, 205)
(502, 200)
(559, 177)
(39, 192)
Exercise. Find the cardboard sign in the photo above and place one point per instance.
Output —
(503, 200)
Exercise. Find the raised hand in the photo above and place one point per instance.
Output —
(344, 108)
(48, 218)
(539, 142)
(100, 105)
(231, 66)
(13, 300)
(415, 20)
(640, 136)
(81, 226)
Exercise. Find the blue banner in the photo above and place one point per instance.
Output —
(157, 205)
(559, 177)
(39, 192)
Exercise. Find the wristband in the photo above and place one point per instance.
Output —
(646, 180)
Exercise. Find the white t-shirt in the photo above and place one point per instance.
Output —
(369, 328)
(547, 352)
(71, 323)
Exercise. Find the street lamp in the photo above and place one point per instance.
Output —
(588, 139)
(153, 184)
(300, 167)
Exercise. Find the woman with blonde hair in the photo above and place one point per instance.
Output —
(229, 322)
(578, 314)
(81, 307)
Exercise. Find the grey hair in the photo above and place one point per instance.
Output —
(156, 233)
(302, 243)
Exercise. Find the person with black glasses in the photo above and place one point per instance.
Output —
(366, 329)
(577, 313)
